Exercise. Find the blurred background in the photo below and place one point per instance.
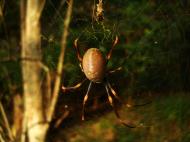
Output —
(153, 51)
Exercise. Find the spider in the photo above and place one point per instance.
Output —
(93, 65)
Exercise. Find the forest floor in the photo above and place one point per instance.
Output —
(166, 119)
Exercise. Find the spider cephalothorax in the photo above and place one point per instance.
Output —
(93, 64)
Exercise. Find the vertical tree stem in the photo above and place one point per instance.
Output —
(6, 121)
(60, 61)
(34, 120)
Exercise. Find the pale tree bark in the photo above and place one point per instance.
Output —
(36, 117)
(34, 126)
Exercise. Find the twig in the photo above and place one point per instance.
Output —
(47, 87)
(6, 122)
(60, 62)
(60, 120)
(1, 138)
(23, 25)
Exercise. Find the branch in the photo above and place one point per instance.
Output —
(60, 62)
(6, 122)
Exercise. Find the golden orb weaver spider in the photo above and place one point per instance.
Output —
(93, 64)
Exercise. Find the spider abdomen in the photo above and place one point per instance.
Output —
(94, 65)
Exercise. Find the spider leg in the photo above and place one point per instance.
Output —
(77, 49)
(115, 70)
(137, 105)
(115, 110)
(114, 44)
(119, 99)
(73, 87)
(113, 92)
(86, 98)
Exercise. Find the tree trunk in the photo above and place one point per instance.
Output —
(34, 126)
(36, 116)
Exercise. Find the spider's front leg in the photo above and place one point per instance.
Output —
(78, 54)
(77, 50)
(114, 44)
(115, 70)
(80, 64)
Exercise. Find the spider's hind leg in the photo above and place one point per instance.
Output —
(121, 101)
(113, 92)
(115, 109)
(85, 99)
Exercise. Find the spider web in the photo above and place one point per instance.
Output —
(92, 33)
(120, 19)
(154, 38)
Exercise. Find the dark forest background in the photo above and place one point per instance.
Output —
(153, 51)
